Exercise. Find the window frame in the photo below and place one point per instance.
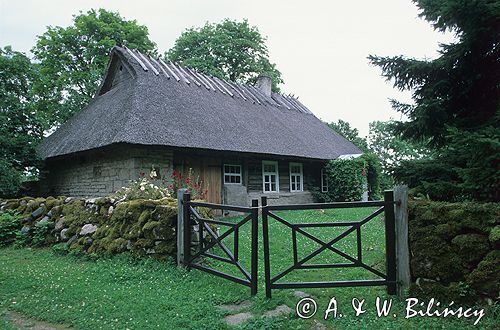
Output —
(276, 174)
(324, 181)
(240, 175)
(301, 175)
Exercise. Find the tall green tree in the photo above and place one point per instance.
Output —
(391, 148)
(456, 98)
(73, 59)
(20, 126)
(350, 133)
(230, 50)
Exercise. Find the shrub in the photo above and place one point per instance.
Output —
(349, 178)
(9, 225)
(60, 249)
(142, 189)
(40, 231)
(193, 184)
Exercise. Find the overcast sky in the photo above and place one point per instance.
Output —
(319, 46)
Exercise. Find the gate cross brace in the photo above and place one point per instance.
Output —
(218, 241)
(328, 245)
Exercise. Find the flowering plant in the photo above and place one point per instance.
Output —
(142, 189)
(194, 185)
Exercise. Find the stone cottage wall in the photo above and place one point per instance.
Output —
(101, 172)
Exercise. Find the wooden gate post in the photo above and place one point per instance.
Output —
(180, 226)
(265, 242)
(255, 246)
(402, 248)
(390, 241)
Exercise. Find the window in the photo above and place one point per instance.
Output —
(232, 174)
(324, 181)
(296, 181)
(270, 176)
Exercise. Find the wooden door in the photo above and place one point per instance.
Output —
(209, 171)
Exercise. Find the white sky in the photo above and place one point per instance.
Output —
(319, 46)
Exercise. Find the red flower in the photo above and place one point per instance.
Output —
(195, 185)
(141, 174)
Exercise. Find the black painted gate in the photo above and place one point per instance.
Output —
(194, 258)
(386, 207)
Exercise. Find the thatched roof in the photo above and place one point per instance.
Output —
(149, 102)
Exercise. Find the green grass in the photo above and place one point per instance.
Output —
(122, 292)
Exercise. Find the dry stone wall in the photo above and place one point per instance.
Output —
(103, 226)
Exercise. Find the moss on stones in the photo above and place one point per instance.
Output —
(471, 248)
(494, 237)
(485, 279)
(144, 227)
(451, 246)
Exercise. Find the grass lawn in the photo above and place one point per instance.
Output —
(121, 292)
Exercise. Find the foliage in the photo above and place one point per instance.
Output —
(20, 125)
(40, 232)
(350, 133)
(373, 173)
(73, 59)
(391, 148)
(346, 180)
(142, 189)
(60, 249)
(193, 184)
(437, 180)
(230, 49)
(9, 224)
(463, 170)
(456, 96)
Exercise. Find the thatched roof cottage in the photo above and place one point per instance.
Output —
(244, 141)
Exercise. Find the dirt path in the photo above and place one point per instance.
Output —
(22, 322)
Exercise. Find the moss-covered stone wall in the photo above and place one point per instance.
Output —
(102, 226)
(454, 250)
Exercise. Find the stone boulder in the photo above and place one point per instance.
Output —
(88, 229)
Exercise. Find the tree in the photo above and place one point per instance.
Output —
(391, 148)
(350, 133)
(228, 50)
(73, 59)
(20, 127)
(456, 97)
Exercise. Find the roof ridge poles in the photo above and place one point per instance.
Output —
(147, 62)
(180, 73)
(169, 70)
(161, 67)
(144, 67)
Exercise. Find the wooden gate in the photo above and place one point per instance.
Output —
(388, 279)
(196, 259)
(395, 278)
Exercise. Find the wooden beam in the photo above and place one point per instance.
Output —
(144, 67)
(403, 276)
(169, 70)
